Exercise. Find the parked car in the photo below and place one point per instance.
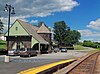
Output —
(56, 50)
(44, 51)
(27, 52)
(3, 51)
(63, 49)
(13, 52)
(16, 52)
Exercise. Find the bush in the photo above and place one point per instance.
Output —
(91, 44)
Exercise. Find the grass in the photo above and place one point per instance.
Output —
(78, 47)
(98, 48)
(2, 44)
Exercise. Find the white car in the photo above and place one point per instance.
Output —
(11, 52)
(63, 49)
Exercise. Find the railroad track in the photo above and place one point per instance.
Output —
(89, 64)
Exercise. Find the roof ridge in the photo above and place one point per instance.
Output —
(43, 29)
(25, 22)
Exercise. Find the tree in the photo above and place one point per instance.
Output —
(72, 37)
(1, 27)
(64, 35)
(59, 31)
(91, 44)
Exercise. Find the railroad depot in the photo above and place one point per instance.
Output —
(24, 35)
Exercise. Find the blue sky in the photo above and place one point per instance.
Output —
(81, 15)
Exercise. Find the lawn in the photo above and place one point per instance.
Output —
(2, 44)
(78, 47)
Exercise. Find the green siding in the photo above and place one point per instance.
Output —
(34, 41)
(17, 30)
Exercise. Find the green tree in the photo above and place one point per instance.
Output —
(72, 37)
(91, 44)
(87, 43)
(64, 35)
(1, 27)
(59, 31)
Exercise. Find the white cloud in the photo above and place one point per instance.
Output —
(35, 8)
(34, 21)
(85, 32)
(94, 24)
(38, 8)
(89, 33)
(12, 19)
(5, 21)
(17, 1)
(93, 31)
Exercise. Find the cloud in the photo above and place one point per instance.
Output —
(93, 31)
(35, 8)
(34, 21)
(38, 8)
(85, 32)
(94, 24)
(89, 33)
(12, 19)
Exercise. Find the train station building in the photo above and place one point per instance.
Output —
(25, 35)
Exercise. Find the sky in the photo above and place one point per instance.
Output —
(80, 15)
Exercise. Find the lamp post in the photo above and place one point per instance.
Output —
(10, 10)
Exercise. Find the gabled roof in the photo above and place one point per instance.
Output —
(43, 29)
(32, 30)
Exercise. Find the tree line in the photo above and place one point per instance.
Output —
(88, 43)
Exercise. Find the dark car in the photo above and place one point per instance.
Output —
(27, 52)
(44, 51)
(63, 49)
(16, 52)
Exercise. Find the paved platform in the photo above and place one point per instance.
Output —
(18, 64)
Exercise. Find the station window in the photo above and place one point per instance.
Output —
(16, 28)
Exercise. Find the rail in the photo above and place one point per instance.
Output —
(85, 65)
